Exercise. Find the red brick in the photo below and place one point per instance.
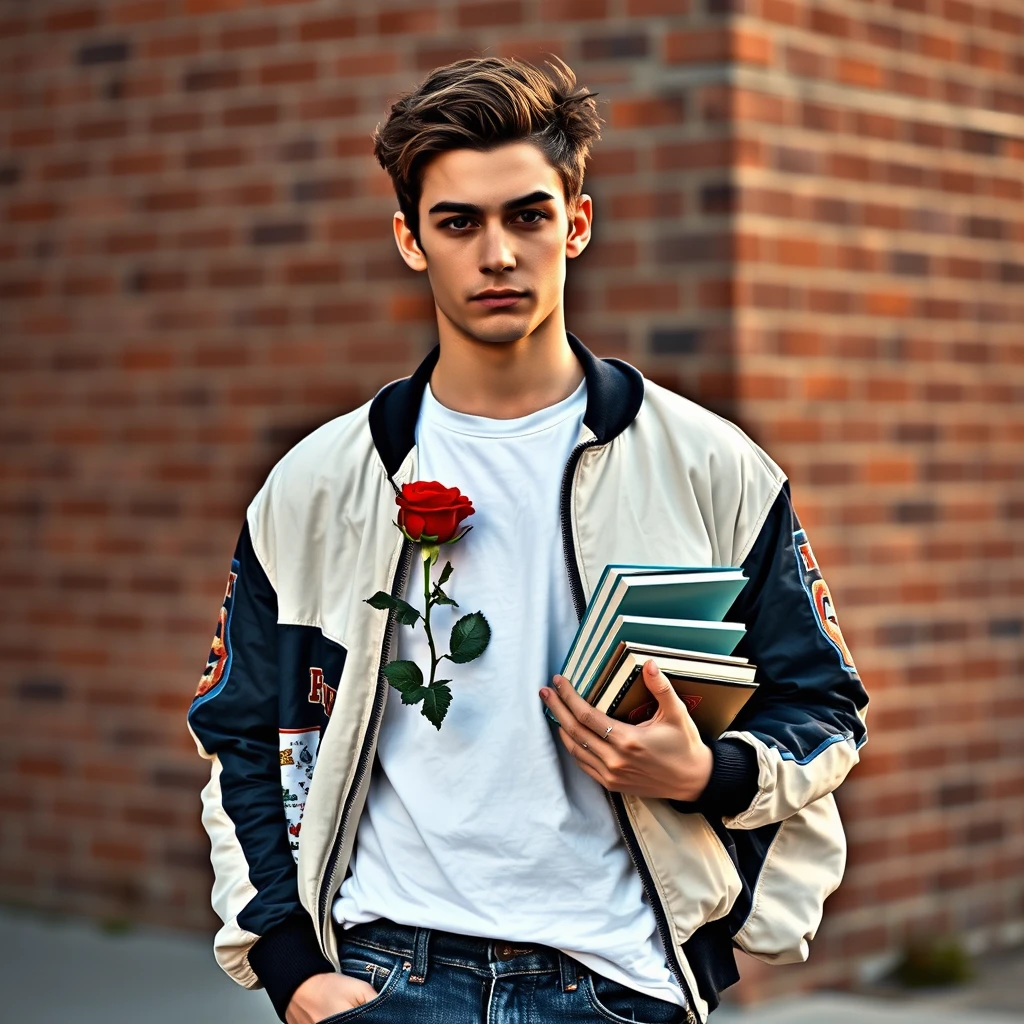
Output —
(289, 73)
(206, 7)
(407, 21)
(936, 46)
(717, 45)
(648, 112)
(829, 23)
(797, 252)
(653, 205)
(641, 295)
(181, 44)
(806, 63)
(489, 12)
(366, 64)
(863, 73)
(337, 27)
(254, 36)
(784, 12)
(574, 10)
(73, 19)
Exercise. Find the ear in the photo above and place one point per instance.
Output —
(407, 244)
(579, 226)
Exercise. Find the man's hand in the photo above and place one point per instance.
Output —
(662, 757)
(323, 995)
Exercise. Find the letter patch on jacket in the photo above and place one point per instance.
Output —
(821, 599)
(320, 692)
(220, 651)
(298, 759)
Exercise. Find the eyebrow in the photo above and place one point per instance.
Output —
(469, 210)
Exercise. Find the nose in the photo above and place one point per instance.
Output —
(496, 255)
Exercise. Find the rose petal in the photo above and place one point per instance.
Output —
(414, 524)
(444, 525)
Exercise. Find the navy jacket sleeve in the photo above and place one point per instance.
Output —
(809, 693)
(235, 719)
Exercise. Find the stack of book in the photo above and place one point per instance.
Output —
(672, 614)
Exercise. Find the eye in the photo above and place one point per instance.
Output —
(453, 222)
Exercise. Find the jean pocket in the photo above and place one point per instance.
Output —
(615, 1002)
(380, 970)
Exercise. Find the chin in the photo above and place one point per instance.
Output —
(498, 333)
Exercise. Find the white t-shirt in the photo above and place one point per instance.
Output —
(488, 827)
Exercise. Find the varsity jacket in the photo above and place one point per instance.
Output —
(290, 703)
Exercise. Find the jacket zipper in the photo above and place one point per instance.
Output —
(617, 803)
(362, 763)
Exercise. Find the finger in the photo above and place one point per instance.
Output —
(596, 722)
(571, 728)
(595, 774)
(583, 755)
(585, 758)
(661, 689)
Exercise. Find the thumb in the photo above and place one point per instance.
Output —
(660, 688)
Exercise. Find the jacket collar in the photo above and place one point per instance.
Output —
(615, 391)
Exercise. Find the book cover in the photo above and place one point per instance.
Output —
(713, 703)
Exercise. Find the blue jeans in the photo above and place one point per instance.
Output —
(437, 977)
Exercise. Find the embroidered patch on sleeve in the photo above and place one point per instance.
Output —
(821, 599)
(219, 661)
(320, 692)
(298, 759)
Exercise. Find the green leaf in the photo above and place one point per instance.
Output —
(440, 597)
(404, 612)
(404, 676)
(445, 574)
(470, 636)
(436, 701)
(459, 536)
(415, 696)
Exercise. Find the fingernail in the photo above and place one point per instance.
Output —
(545, 692)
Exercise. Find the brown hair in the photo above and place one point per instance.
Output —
(484, 102)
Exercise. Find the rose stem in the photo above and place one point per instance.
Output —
(426, 618)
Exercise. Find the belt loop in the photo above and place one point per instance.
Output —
(568, 966)
(419, 959)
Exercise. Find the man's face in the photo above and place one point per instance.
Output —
(473, 241)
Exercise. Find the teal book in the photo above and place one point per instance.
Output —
(662, 591)
(701, 594)
(683, 634)
(669, 606)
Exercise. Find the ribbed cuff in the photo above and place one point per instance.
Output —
(733, 782)
(286, 956)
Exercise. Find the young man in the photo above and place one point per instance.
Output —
(499, 868)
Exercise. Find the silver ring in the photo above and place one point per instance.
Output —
(608, 730)
(585, 747)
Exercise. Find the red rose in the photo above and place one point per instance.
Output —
(428, 507)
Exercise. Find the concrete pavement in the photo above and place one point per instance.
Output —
(53, 972)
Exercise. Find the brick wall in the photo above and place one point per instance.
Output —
(809, 217)
(878, 226)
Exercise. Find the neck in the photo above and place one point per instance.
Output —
(505, 379)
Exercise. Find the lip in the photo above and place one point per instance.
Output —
(496, 301)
